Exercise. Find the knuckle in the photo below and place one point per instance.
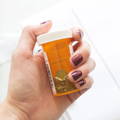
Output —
(19, 54)
(28, 29)
(24, 53)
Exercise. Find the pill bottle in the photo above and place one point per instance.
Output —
(57, 50)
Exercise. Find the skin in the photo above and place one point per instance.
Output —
(29, 94)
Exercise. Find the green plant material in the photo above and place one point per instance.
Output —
(62, 83)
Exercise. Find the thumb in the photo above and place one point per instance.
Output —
(29, 36)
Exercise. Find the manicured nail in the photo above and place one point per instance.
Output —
(76, 75)
(75, 46)
(77, 59)
(80, 33)
(81, 82)
(44, 22)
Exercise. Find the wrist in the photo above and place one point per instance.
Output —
(11, 112)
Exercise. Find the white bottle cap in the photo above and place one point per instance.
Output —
(48, 37)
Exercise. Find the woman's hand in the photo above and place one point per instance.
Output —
(29, 94)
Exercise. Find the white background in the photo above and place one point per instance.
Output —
(101, 21)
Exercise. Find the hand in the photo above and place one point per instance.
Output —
(29, 93)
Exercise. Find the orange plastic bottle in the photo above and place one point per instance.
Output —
(57, 50)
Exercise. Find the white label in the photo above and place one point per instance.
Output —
(49, 73)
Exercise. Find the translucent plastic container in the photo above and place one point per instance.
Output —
(57, 50)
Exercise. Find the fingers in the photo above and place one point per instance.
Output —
(77, 34)
(88, 81)
(77, 37)
(79, 77)
(81, 55)
(29, 34)
(88, 84)
(82, 65)
(81, 72)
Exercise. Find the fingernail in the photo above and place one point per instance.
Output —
(77, 59)
(80, 33)
(76, 75)
(76, 45)
(44, 22)
(81, 82)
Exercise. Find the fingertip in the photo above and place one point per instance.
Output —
(90, 81)
(81, 55)
(44, 27)
(30, 33)
(74, 76)
(85, 83)
(77, 33)
(48, 22)
(76, 59)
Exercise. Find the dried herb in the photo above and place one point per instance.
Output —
(62, 83)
